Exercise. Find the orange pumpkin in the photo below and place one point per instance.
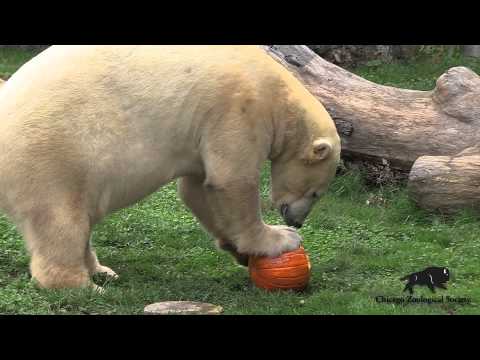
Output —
(289, 271)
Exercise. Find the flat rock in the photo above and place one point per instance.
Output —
(182, 308)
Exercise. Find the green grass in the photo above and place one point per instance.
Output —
(420, 74)
(11, 59)
(358, 251)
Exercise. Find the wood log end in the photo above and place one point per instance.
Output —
(457, 93)
(446, 184)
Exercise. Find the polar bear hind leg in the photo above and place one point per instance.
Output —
(58, 240)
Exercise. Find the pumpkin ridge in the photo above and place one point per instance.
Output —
(298, 281)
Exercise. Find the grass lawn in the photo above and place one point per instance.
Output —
(358, 250)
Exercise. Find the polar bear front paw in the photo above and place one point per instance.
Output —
(274, 241)
(286, 239)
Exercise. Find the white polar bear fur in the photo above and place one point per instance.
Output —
(86, 130)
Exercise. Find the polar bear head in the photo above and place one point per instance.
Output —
(301, 175)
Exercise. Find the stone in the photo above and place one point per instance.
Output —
(182, 308)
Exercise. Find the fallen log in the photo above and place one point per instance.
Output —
(381, 123)
(436, 131)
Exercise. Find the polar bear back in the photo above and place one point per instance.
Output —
(126, 83)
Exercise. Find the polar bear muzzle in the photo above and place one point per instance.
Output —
(295, 214)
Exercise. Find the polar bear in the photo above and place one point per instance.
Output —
(87, 130)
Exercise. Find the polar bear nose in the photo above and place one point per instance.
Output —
(295, 224)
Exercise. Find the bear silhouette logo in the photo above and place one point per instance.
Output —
(432, 277)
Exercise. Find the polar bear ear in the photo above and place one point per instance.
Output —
(321, 149)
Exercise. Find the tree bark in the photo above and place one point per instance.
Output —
(380, 124)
